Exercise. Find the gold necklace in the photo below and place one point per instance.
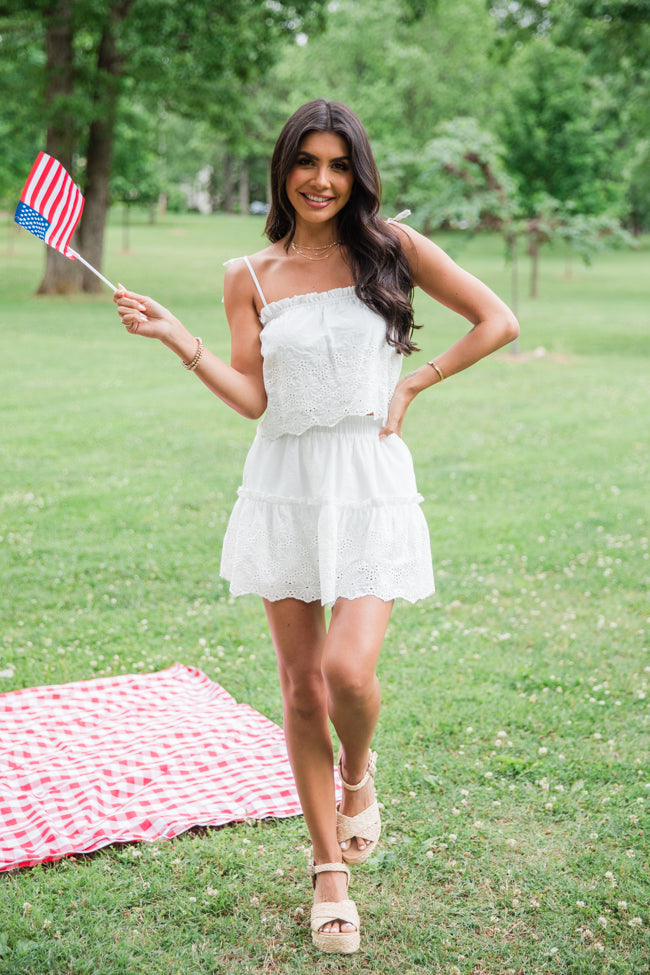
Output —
(318, 251)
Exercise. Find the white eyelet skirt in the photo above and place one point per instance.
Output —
(334, 512)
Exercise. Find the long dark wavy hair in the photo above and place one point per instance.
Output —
(377, 259)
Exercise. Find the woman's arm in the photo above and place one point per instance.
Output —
(240, 384)
(493, 324)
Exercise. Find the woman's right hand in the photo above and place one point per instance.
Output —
(142, 315)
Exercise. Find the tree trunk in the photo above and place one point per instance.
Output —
(62, 276)
(126, 227)
(244, 188)
(228, 185)
(514, 242)
(534, 268)
(535, 241)
(100, 156)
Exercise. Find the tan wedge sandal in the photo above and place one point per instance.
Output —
(366, 824)
(342, 942)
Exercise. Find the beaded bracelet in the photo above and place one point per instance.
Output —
(434, 365)
(193, 363)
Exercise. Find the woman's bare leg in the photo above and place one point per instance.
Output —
(354, 640)
(299, 636)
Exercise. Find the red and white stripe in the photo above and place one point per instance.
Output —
(51, 191)
(134, 757)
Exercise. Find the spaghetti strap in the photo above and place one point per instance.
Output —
(257, 284)
(400, 216)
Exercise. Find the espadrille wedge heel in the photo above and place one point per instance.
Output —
(366, 824)
(341, 942)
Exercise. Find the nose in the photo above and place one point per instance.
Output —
(321, 176)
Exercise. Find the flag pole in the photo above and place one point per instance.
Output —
(73, 253)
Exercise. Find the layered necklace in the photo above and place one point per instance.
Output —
(314, 253)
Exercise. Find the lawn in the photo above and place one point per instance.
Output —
(513, 742)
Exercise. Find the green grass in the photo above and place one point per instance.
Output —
(513, 740)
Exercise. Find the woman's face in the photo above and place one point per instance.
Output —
(320, 181)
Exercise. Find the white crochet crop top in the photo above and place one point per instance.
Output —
(325, 358)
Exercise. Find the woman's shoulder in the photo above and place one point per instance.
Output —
(414, 244)
(247, 277)
(237, 268)
(234, 264)
(407, 236)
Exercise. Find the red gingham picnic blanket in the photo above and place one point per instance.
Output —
(137, 757)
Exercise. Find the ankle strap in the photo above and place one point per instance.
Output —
(370, 773)
(316, 868)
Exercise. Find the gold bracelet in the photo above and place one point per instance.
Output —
(193, 363)
(434, 365)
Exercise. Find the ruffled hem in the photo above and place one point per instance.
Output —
(274, 308)
(296, 424)
(304, 595)
(324, 553)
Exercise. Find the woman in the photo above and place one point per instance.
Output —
(328, 513)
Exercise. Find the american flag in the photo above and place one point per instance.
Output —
(51, 204)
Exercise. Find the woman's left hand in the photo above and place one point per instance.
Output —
(402, 399)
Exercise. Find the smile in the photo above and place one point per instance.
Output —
(317, 199)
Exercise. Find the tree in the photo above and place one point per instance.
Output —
(613, 37)
(638, 193)
(552, 222)
(554, 127)
(404, 69)
(609, 28)
(458, 180)
(137, 176)
(191, 55)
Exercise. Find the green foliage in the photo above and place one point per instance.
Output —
(415, 10)
(562, 85)
(137, 164)
(458, 180)
(194, 56)
(204, 52)
(614, 38)
(401, 76)
(21, 128)
(591, 235)
(606, 28)
(553, 131)
(585, 235)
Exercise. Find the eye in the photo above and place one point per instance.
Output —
(342, 166)
(303, 161)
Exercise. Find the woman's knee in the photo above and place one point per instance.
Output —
(304, 694)
(348, 679)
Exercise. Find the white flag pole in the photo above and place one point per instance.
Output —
(91, 268)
